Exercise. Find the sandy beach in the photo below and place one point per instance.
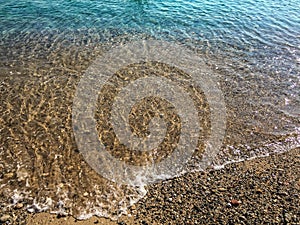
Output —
(99, 99)
(261, 191)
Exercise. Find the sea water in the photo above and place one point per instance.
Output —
(252, 47)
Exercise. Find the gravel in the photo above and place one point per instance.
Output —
(261, 191)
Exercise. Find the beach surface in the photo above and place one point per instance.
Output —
(247, 54)
(260, 191)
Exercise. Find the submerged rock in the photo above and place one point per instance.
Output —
(4, 218)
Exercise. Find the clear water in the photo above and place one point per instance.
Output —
(45, 46)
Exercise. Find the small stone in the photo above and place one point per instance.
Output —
(259, 191)
(70, 168)
(19, 206)
(22, 174)
(4, 218)
(85, 194)
(283, 193)
(9, 175)
(243, 218)
(222, 189)
(235, 202)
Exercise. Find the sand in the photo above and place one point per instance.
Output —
(260, 191)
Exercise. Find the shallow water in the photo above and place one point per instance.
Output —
(252, 47)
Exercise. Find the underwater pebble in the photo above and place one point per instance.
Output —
(19, 206)
(259, 191)
(4, 218)
(9, 175)
(22, 174)
(222, 189)
(283, 193)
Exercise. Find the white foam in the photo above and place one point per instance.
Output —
(120, 203)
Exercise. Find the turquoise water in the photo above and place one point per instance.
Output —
(267, 30)
(263, 32)
(45, 46)
(246, 25)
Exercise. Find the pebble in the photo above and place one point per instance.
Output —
(259, 191)
(85, 194)
(4, 218)
(19, 206)
(283, 193)
(222, 189)
(22, 174)
(9, 175)
(235, 202)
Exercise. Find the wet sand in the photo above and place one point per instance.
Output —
(261, 191)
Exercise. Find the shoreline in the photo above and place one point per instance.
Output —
(263, 190)
(223, 78)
